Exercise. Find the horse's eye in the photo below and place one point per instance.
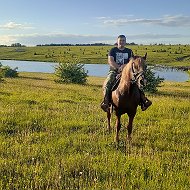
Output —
(142, 82)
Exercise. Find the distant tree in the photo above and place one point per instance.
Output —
(3, 45)
(16, 45)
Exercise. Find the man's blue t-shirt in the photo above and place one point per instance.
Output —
(121, 56)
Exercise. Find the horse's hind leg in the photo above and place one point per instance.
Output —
(130, 127)
(118, 127)
(108, 119)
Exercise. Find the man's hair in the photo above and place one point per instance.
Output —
(121, 36)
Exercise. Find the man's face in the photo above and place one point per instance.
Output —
(121, 42)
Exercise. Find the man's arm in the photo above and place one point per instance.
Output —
(112, 63)
(132, 54)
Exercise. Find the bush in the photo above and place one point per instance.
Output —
(1, 77)
(152, 81)
(70, 72)
(6, 71)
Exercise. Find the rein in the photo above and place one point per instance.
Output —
(133, 80)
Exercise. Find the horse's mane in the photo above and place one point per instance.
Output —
(127, 75)
(125, 81)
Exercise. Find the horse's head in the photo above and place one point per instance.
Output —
(138, 68)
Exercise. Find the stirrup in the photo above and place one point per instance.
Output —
(105, 107)
(145, 105)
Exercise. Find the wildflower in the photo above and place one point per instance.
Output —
(95, 179)
(80, 173)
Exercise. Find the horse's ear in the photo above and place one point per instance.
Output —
(145, 56)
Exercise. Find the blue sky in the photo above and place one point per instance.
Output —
(88, 21)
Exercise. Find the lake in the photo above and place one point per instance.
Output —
(99, 70)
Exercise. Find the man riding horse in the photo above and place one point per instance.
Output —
(118, 56)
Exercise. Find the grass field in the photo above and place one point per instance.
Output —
(173, 55)
(53, 136)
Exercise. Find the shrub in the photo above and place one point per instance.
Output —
(6, 71)
(152, 81)
(1, 77)
(71, 72)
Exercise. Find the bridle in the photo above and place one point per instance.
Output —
(136, 75)
(134, 79)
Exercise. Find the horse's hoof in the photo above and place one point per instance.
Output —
(117, 144)
(117, 140)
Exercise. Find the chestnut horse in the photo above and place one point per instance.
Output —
(126, 97)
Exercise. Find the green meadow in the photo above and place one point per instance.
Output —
(172, 55)
(54, 136)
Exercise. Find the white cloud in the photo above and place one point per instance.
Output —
(102, 18)
(7, 39)
(150, 38)
(13, 25)
(157, 36)
(169, 21)
(34, 39)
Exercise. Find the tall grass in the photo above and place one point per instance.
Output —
(54, 136)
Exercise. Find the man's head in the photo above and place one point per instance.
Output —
(121, 41)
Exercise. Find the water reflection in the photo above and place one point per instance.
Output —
(99, 70)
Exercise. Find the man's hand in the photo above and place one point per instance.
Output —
(121, 68)
(112, 63)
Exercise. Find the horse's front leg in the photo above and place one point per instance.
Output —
(108, 120)
(118, 127)
(130, 126)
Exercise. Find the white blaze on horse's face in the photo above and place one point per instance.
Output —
(141, 82)
(140, 69)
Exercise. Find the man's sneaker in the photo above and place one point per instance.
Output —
(145, 105)
(105, 106)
